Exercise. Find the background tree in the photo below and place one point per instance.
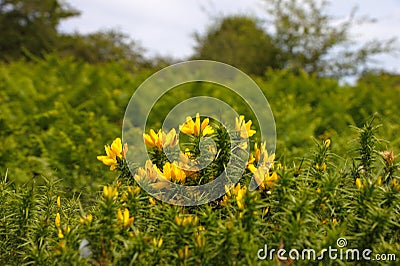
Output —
(241, 42)
(103, 46)
(311, 40)
(299, 35)
(30, 26)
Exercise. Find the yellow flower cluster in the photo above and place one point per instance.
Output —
(159, 177)
(110, 192)
(58, 220)
(265, 163)
(184, 252)
(161, 138)
(264, 179)
(238, 192)
(113, 151)
(321, 167)
(244, 127)
(200, 240)
(327, 143)
(150, 171)
(186, 220)
(195, 128)
(360, 184)
(133, 190)
(123, 218)
(240, 197)
(60, 247)
(261, 157)
(86, 219)
(58, 202)
(61, 232)
(199, 237)
(157, 243)
(171, 172)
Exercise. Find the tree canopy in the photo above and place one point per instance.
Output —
(316, 42)
(102, 46)
(241, 42)
(30, 26)
(298, 35)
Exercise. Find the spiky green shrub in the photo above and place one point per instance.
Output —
(309, 204)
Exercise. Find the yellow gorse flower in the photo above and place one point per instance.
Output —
(66, 230)
(379, 181)
(157, 243)
(271, 180)
(150, 172)
(232, 191)
(60, 247)
(58, 202)
(238, 192)
(160, 179)
(160, 138)
(327, 143)
(153, 139)
(188, 162)
(263, 177)
(396, 186)
(184, 253)
(124, 219)
(113, 151)
(170, 173)
(173, 173)
(57, 220)
(359, 184)
(170, 139)
(58, 225)
(200, 240)
(87, 219)
(133, 190)
(186, 220)
(110, 192)
(60, 234)
(320, 167)
(261, 157)
(240, 197)
(244, 127)
(195, 128)
(152, 201)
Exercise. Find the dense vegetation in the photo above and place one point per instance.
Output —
(57, 114)
(335, 173)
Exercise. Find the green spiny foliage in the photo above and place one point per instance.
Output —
(311, 206)
(57, 114)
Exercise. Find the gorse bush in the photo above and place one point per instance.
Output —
(55, 113)
(53, 116)
(59, 205)
(310, 205)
